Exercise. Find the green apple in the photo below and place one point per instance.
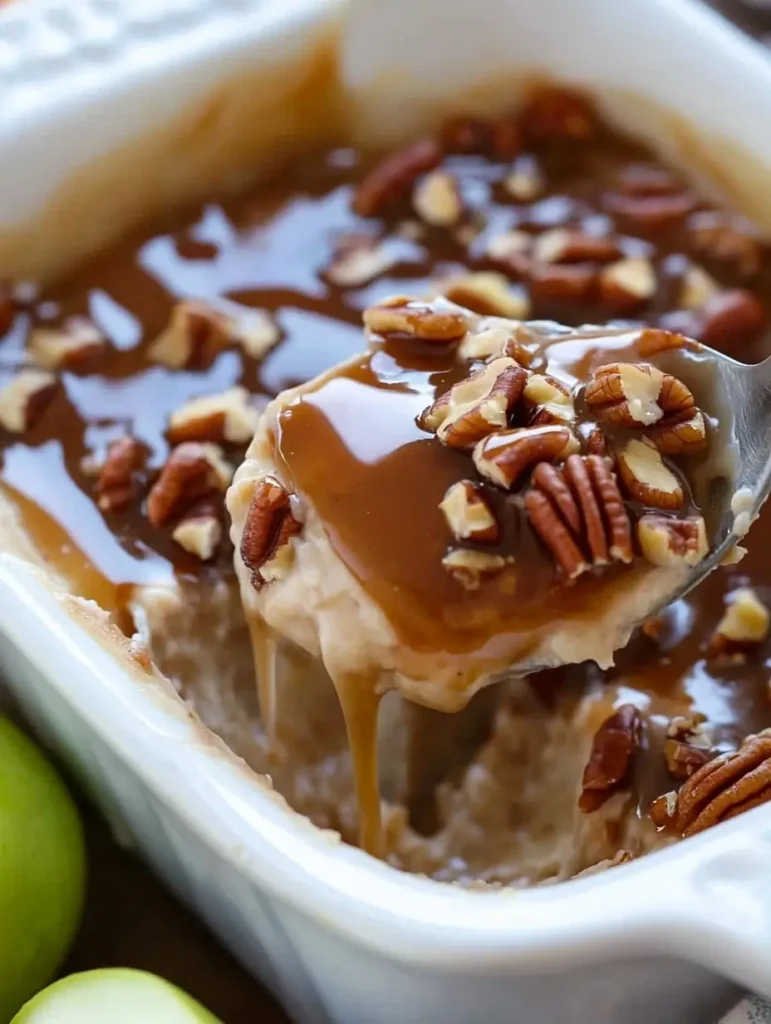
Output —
(42, 869)
(116, 994)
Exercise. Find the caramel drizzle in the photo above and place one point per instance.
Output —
(360, 702)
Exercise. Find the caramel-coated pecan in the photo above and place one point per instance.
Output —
(730, 318)
(647, 478)
(727, 239)
(192, 471)
(505, 456)
(688, 745)
(392, 179)
(722, 788)
(562, 282)
(437, 323)
(195, 334)
(554, 113)
(665, 541)
(610, 761)
(652, 213)
(357, 260)
(468, 513)
(653, 340)
(569, 245)
(268, 528)
(488, 293)
(477, 406)
(547, 400)
(71, 346)
(116, 484)
(627, 283)
(579, 514)
(472, 568)
(743, 626)
(24, 399)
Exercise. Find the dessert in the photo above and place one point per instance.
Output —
(131, 390)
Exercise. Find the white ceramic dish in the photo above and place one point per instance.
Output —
(339, 936)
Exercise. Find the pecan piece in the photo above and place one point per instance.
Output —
(436, 323)
(580, 509)
(192, 471)
(667, 542)
(688, 745)
(648, 478)
(503, 457)
(489, 294)
(436, 199)
(268, 528)
(200, 532)
(224, 417)
(195, 334)
(627, 283)
(477, 406)
(697, 288)
(24, 398)
(554, 113)
(610, 762)
(256, 332)
(472, 568)
(730, 318)
(468, 514)
(547, 400)
(494, 338)
(71, 346)
(357, 260)
(646, 180)
(743, 626)
(526, 180)
(651, 213)
(568, 245)
(116, 484)
(392, 179)
(654, 340)
(722, 788)
(562, 282)
(727, 239)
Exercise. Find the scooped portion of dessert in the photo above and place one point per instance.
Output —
(471, 494)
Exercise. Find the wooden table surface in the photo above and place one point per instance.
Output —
(131, 921)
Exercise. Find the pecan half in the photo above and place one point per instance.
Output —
(436, 199)
(468, 514)
(116, 484)
(648, 478)
(547, 400)
(195, 334)
(743, 626)
(477, 406)
(688, 745)
(505, 456)
(192, 471)
(472, 568)
(24, 399)
(268, 528)
(722, 788)
(438, 322)
(579, 514)
(610, 762)
(392, 179)
(668, 542)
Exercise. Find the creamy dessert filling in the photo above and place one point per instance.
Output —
(182, 334)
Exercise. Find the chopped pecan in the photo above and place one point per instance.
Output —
(227, 417)
(116, 484)
(24, 398)
(477, 406)
(503, 457)
(722, 788)
(668, 542)
(471, 568)
(554, 113)
(610, 762)
(647, 478)
(256, 332)
(562, 282)
(357, 260)
(192, 471)
(526, 181)
(512, 251)
(195, 334)
(568, 245)
(730, 318)
(437, 323)
(579, 514)
(651, 213)
(688, 745)
(436, 199)
(200, 532)
(697, 288)
(638, 395)
(627, 283)
(468, 514)
(487, 293)
(547, 400)
(727, 239)
(743, 626)
(392, 179)
(71, 346)
(268, 529)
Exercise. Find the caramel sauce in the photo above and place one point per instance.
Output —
(270, 249)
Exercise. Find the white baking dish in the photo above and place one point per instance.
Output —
(339, 936)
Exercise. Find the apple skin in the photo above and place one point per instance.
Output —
(42, 869)
(119, 995)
